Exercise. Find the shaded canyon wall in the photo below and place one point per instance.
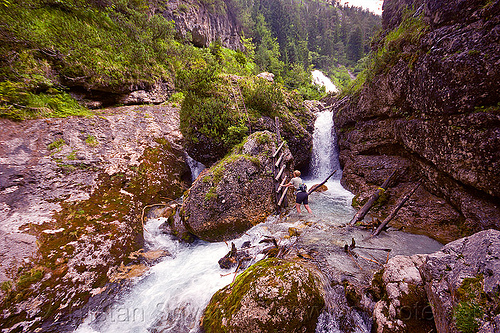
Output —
(431, 110)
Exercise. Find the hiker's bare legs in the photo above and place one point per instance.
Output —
(298, 207)
(308, 209)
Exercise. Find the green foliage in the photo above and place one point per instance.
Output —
(235, 134)
(466, 315)
(27, 279)
(6, 286)
(300, 79)
(473, 303)
(292, 34)
(99, 44)
(265, 97)
(391, 50)
(211, 194)
(17, 102)
(56, 144)
(339, 76)
(176, 98)
(215, 6)
(72, 155)
(91, 141)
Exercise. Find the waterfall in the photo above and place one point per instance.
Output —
(324, 158)
(195, 167)
(321, 79)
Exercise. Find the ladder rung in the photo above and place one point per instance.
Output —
(280, 173)
(279, 160)
(282, 183)
(282, 196)
(278, 150)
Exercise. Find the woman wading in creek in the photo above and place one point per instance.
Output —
(301, 195)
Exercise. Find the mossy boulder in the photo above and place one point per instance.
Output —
(236, 193)
(272, 295)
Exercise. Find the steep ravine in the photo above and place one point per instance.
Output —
(432, 112)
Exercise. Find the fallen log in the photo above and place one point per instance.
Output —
(315, 187)
(395, 210)
(368, 205)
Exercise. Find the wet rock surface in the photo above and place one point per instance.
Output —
(271, 295)
(462, 282)
(434, 113)
(72, 192)
(236, 193)
(403, 306)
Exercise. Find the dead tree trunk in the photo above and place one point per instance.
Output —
(395, 210)
(368, 205)
(315, 187)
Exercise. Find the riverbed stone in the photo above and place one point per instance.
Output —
(462, 282)
(273, 295)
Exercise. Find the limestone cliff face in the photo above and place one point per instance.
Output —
(433, 111)
(201, 24)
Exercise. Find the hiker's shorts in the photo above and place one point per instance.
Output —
(302, 198)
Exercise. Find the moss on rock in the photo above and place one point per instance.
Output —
(272, 295)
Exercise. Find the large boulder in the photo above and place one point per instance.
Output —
(403, 305)
(272, 295)
(462, 282)
(236, 193)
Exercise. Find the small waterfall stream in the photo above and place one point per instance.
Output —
(173, 294)
(324, 154)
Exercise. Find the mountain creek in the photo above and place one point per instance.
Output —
(168, 214)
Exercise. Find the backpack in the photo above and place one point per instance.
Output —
(302, 188)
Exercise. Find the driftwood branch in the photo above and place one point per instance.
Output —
(315, 187)
(395, 210)
(368, 205)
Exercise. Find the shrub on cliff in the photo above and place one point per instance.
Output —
(400, 43)
(48, 46)
(215, 117)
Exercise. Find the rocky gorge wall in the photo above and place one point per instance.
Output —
(202, 24)
(72, 194)
(431, 110)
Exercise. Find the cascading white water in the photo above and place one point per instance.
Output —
(195, 167)
(171, 297)
(321, 79)
(324, 157)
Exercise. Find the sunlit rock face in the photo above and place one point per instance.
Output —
(203, 24)
(431, 110)
(72, 191)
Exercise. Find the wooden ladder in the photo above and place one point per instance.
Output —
(279, 171)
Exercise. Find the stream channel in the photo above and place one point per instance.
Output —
(173, 294)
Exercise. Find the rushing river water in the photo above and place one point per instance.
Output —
(172, 296)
